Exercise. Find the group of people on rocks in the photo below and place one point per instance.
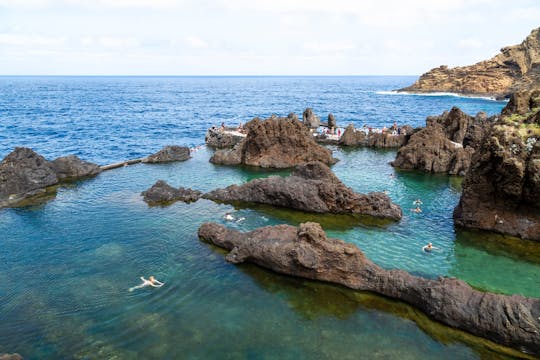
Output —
(394, 130)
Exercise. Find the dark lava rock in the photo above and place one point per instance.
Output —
(168, 154)
(501, 192)
(306, 252)
(11, 357)
(71, 167)
(312, 187)
(274, 143)
(222, 139)
(311, 120)
(445, 145)
(332, 121)
(357, 137)
(24, 173)
(161, 192)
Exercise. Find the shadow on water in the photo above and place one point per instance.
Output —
(497, 244)
(415, 178)
(313, 300)
(327, 221)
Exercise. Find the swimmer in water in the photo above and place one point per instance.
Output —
(417, 202)
(428, 247)
(417, 210)
(150, 282)
(228, 217)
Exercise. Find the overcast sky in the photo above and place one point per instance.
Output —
(255, 37)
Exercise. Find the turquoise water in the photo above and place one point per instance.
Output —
(66, 264)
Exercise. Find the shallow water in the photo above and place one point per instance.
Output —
(66, 264)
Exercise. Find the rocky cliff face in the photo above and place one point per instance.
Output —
(24, 174)
(514, 68)
(312, 187)
(445, 145)
(274, 143)
(307, 252)
(501, 191)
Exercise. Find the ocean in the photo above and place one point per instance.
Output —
(66, 265)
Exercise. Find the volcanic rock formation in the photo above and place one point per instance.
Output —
(11, 357)
(357, 137)
(274, 143)
(222, 139)
(501, 191)
(162, 193)
(445, 145)
(24, 174)
(168, 154)
(310, 120)
(306, 252)
(515, 68)
(312, 187)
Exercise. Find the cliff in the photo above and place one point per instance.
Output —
(515, 68)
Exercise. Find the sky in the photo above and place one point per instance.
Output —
(255, 37)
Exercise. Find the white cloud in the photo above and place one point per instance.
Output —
(470, 43)
(30, 40)
(325, 47)
(196, 42)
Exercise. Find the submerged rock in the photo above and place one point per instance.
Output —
(501, 191)
(445, 145)
(514, 69)
(312, 187)
(168, 154)
(161, 192)
(11, 357)
(274, 143)
(306, 252)
(71, 167)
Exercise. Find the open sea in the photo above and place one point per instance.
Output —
(66, 265)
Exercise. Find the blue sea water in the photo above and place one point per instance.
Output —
(66, 264)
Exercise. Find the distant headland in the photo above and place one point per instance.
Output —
(515, 68)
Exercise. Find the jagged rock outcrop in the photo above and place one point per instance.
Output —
(168, 154)
(515, 68)
(71, 167)
(274, 143)
(311, 120)
(222, 139)
(312, 187)
(306, 252)
(11, 357)
(501, 191)
(358, 137)
(445, 145)
(331, 121)
(163, 193)
(24, 174)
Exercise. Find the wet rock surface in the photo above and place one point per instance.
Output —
(501, 192)
(274, 143)
(24, 174)
(222, 139)
(163, 193)
(11, 357)
(168, 154)
(514, 69)
(312, 187)
(305, 251)
(71, 167)
(445, 145)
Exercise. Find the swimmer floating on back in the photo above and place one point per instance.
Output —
(417, 202)
(150, 282)
(428, 247)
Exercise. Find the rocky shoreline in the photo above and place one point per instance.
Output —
(514, 69)
(307, 252)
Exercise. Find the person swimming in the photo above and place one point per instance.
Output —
(150, 282)
(417, 202)
(228, 217)
(428, 247)
(417, 210)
